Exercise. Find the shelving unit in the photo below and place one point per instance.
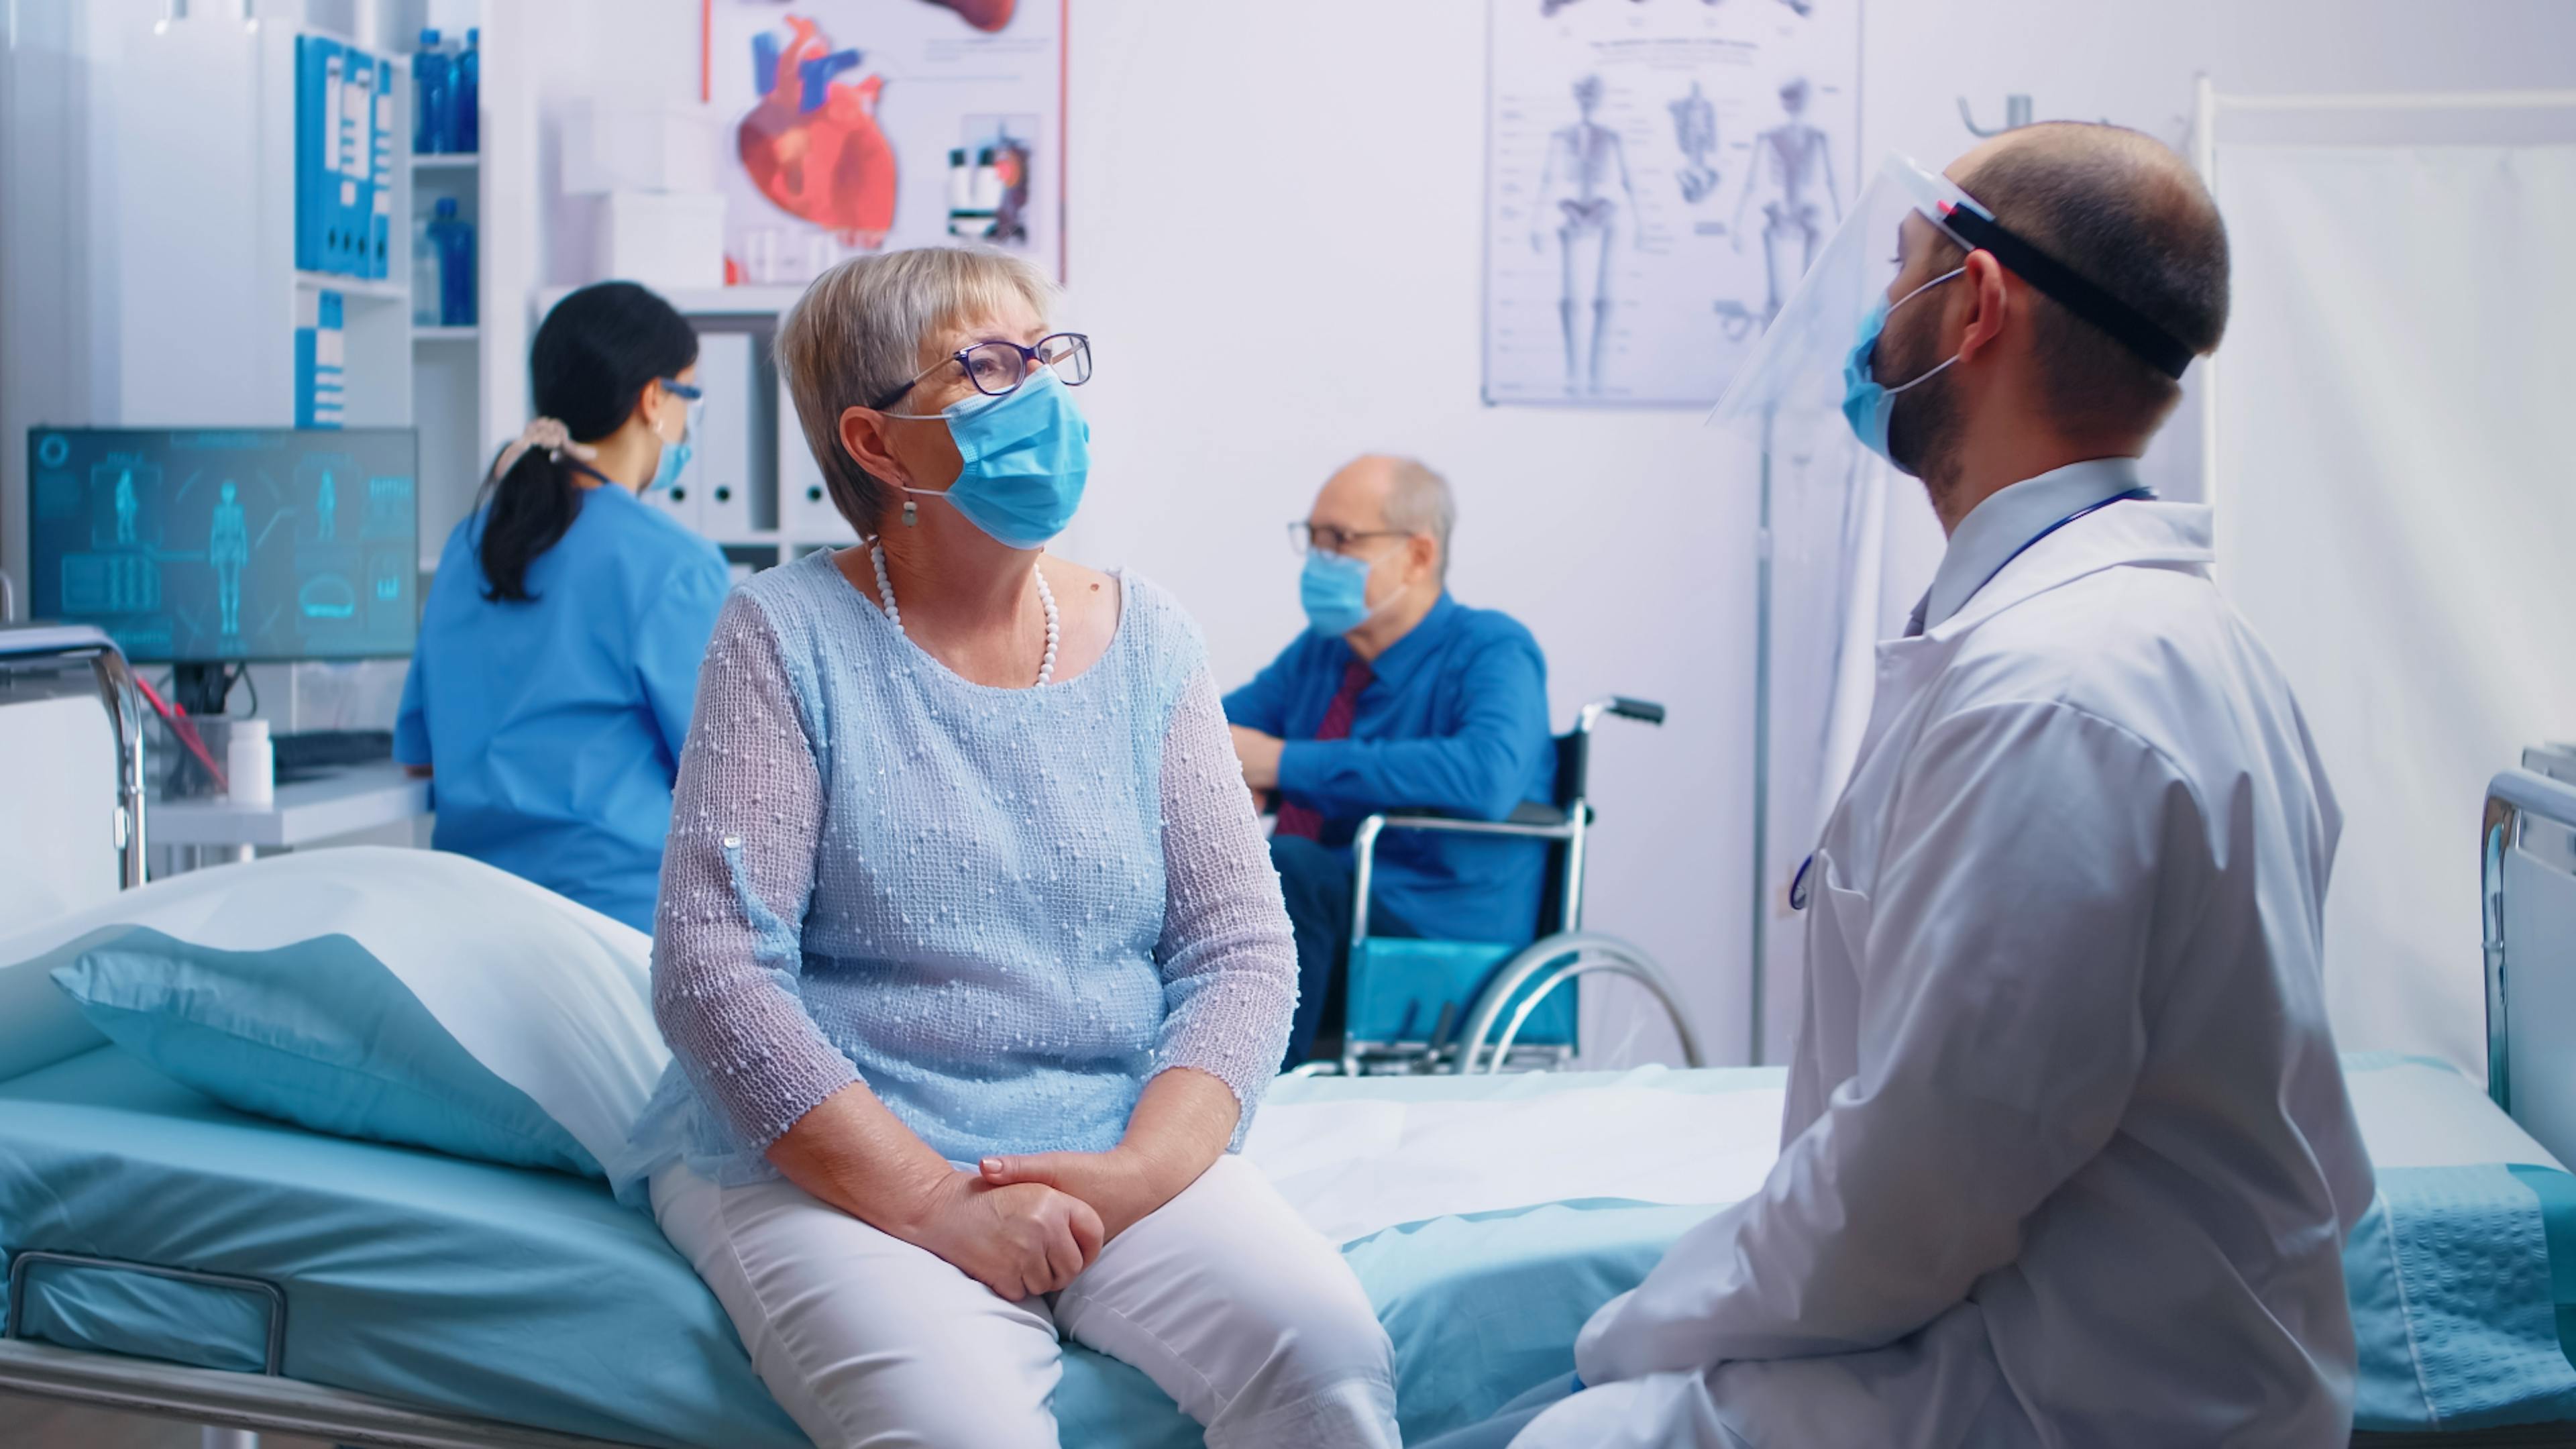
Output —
(456, 385)
(356, 289)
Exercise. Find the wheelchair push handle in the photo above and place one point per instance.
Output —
(1622, 706)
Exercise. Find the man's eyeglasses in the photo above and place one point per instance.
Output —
(998, 368)
(1303, 536)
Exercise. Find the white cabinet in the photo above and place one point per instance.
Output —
(720, 465)
(805, 511)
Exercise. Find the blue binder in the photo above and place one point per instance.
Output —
(357, 176)
(321, 371)
(313, 56)
(381, 260)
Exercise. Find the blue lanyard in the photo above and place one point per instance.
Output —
(1798, 892)
(2139, 494)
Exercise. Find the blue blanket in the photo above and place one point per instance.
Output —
(531, 1296)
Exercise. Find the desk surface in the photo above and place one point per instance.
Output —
(361, 797)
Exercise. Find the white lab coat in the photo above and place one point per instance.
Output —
(2067, 1158)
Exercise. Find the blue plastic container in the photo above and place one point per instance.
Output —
(453, 237)
(466, 96)
(433, 82)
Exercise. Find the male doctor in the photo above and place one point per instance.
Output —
(2067, 1157)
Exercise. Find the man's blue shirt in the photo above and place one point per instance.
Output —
(1455, 722)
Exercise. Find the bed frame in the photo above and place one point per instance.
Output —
(2527, 854)
(258, 1402)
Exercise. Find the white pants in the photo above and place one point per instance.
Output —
(1225, 1298)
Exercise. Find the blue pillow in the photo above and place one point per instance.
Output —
(317, 1033)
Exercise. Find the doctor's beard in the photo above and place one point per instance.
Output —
(1923, 428)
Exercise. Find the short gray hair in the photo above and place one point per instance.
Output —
(859, 333)
(1419, 501)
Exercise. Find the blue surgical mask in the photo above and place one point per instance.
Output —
(1334, 589)
(1027, 454)
(1866, 405)
(675, 460)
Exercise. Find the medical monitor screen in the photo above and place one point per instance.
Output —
(204, 546)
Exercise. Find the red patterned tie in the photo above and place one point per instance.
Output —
(1297, 819)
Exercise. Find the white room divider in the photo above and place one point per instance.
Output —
(2390, 458)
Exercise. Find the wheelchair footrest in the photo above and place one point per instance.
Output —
(1398, 988)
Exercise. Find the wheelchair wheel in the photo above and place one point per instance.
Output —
(1632, 1014)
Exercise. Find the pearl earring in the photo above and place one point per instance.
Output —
(911, 518)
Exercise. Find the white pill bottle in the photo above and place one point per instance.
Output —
(250, 763)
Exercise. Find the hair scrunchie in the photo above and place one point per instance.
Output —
(549, 434)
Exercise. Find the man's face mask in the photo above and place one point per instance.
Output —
(1867, 404)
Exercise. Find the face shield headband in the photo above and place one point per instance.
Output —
(1796, 371)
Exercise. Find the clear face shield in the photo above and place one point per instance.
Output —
(1795, 377)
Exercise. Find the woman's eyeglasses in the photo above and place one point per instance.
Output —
(998, 368)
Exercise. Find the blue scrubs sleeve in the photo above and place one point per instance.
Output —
(411, 724)
(671, 642)
(1480, 770)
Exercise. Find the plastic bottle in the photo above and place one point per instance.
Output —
(467, 95)
(453, 237)
(431, 83)
(250, 763)
(426, 304)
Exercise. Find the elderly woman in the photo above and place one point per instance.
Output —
(969, 948)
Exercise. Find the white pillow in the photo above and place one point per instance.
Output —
(547, 994)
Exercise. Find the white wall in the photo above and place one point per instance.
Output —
(1293, 194)
(1299, 189)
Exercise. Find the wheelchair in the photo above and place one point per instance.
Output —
(1452, 1007)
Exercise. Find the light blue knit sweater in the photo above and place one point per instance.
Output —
(1002, 909)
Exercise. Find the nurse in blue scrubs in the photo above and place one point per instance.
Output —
(559, 647)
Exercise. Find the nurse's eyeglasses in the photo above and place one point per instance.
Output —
(695, 398)
(998, 368)
(1303, 536)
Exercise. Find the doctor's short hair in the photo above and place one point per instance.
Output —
(860, 331)
(1418, 500)
(2124, 211)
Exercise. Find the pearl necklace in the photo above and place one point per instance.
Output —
(1046, 602)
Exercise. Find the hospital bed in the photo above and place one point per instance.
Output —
(168, 1255)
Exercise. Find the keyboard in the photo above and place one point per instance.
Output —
(303, 755)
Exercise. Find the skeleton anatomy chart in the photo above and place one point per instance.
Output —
(867, 124)
(1659, 173)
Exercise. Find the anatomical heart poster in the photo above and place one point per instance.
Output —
(863, 125)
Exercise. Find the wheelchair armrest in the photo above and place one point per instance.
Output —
(1529, 821)
(1532, 812)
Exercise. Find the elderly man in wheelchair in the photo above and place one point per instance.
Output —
(1429, 829)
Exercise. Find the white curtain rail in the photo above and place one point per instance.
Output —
(2400, 101)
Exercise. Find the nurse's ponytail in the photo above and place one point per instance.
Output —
(594, 355)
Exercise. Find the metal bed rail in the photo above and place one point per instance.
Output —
(59, 647)
(2526, 909)
(256, 1402)
(266, 1402)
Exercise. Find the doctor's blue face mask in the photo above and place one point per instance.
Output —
(1866, 403)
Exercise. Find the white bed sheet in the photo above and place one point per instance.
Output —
(1355, 1158)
